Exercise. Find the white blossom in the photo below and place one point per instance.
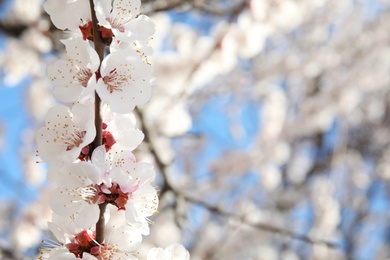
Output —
(113, 178)
(68, 14)
(127, 185)
(73, 76)
(123, 129)
(125, 81)
(65, 133)
(172, 252)
(124, 19)
(77, 192)
(76, 243)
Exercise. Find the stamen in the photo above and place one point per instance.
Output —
(50, 244)
(87, 193)
(115, 81)
(71, 136)
(80, 194)
(149, 221)
(83, 76)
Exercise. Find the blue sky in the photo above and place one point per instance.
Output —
(14, 120)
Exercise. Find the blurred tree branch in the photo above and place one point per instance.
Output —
(163, 168)
(201, 6)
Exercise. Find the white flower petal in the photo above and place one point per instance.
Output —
(141, 28)
(99, 157)
(145, 200)
(136, 220)
(172, 252)
(67, 93)
(61, 255)
(57, 231)
(62, 203)
(176, 252)
(87, 256)
(103, 10)
(66, 133)
(126, 134)
(74, 76)
(88, 216)
(126, 238)
(156, 254)
(67, 14)
(144, 172)
(125, 81)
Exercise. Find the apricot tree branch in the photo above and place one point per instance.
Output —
(99, 47)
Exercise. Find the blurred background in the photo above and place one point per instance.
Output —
(269, 127)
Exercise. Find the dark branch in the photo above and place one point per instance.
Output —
(99, 47)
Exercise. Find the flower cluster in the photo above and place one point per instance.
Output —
(91, 165)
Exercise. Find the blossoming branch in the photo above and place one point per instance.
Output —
(103, 197)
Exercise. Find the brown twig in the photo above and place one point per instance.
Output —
(99, 47)
(100, 225)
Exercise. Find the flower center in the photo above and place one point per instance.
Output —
(108, 138)
(86, 30)
(115, 81)
(87, 33)
(84, 154)
(113, 195)
(84, 242)
(81, 194)
(117, 23)
(83, 76)
(108, 141)
(72, 137)
(87, 193)
(104, 252)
